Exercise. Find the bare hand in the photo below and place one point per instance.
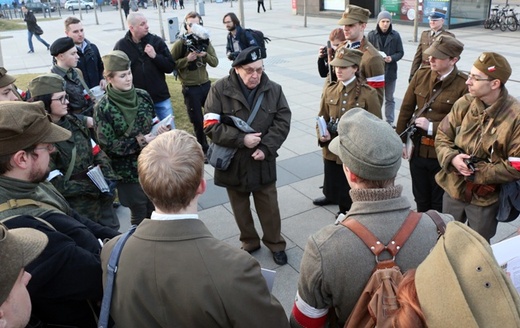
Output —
(322, 53)
(251, 140)
(405, 153)
(103, 84)
(459, 165)
(258, 155)
(422, 122)
(150, 51)
(201, 54)
(388, 59)
(192, 56)
(90, 122)
(326, 137)
(163, 128)
(149, 137)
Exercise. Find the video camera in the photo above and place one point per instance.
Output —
(197, 40)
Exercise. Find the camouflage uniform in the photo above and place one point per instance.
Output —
(79, 98)
(420, 59)
(81, 193)
(121, 145)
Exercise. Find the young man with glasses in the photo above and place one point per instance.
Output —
(476, 144)
(66, 283)
(253, 167)
(436, 20)
(428, 99)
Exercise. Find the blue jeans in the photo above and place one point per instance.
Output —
(163, 109)
(29, 39)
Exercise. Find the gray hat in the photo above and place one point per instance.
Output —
(5, 79)
(247, 56)
(384, 15)
(18, 247)
(116, 61)
(46, 84)
(61, 45)
(445, 46)
(346, 57)
(367, 145)
(354, 14)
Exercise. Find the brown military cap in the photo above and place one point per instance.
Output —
(116, 61)
(346, 57)
(24, 124)
(445, 46)
(5, 79)
(460, 284)
(354, 14)
(493, 65)
(18, 248)
(46, 84)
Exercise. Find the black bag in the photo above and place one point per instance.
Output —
(260, 40)
(37, 30)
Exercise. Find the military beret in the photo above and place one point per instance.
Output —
(116, 61)
(61, 45)
(247, 56)
(437, 13)
(346, 57)
(445, 46)
(5, 79)
(493, 65)
(354, 14)
(25, 124)
(46, 84)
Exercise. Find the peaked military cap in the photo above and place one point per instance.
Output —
(354, 14)
(445, 46)
(346, 57)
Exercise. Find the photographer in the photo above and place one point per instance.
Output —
(192, 52)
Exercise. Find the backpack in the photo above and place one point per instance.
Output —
(378, 301)
(260, 40)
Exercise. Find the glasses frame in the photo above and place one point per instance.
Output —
(50, 147)
(251, 71)
(63, 99)
(472, 78)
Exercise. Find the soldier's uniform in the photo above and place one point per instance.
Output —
(490, 132)
(425, 83)
(336, 101)
(120, 130)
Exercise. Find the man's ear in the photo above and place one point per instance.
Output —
(348, 173)
(202, 187)
(3, 322)
(20, 159)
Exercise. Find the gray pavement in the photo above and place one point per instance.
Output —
(291, 62)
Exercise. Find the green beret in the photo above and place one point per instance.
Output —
(354, 14)
(25, 124)
(346, 57)
(46, 84)
(493, 65)
(247, 56)
(61, 45)
(5, 79)
(116, 60)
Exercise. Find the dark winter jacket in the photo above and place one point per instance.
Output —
(392, 46)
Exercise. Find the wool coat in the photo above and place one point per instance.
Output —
(272, 120)
(175, 274)
(392, 46)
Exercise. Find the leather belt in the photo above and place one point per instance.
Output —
(427, 141)
(478, 189)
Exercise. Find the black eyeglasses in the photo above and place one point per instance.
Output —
(63, 99)
(250, 70)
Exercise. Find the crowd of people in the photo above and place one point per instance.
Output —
(66, 153)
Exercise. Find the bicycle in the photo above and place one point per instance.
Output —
(511, 21)
(491, 21)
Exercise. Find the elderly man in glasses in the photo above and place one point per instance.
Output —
(253, 167)
(477, 145)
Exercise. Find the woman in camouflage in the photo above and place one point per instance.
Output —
(70, 163)
(123, 121)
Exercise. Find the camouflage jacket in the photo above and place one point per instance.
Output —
(491, 133)
(79, 184)
(118, 139)
(338, 99)
(79, 98)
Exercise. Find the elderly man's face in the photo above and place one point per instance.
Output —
(251, 74)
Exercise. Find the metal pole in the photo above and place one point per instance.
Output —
(195, 5)
(161, 27)
(416, 21)
(231, 3)
(95, 12)
(270, 5)
(304, 13)
(241, 13)
(121, 15)
(79, 7)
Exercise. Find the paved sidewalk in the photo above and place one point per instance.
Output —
(291, 62)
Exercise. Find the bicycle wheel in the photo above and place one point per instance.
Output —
(503, 24)
(494, 24)
(512, 23)
(487, 23)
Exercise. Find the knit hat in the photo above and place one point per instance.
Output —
(247, 56)
(346, 57)
(367, 145)
(46, 84)
(445, 46)
(116, 61)
(18, 247)
(437, 13)
(493, 65)
(5, 79)
(460, 284)
(384, 15)
(354, 14)
(24, 124)
(61, 45)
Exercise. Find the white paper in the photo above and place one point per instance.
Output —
(513, 270)
(96, 175)
(165, 122)
(322, 125)
(382, 53)
(506, 250)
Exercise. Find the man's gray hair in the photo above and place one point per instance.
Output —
(133, 18)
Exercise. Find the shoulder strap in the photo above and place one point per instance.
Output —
(34, 217)
(426, 105)
(111, 275)
(255, 109)
(374, 244)
(71, 164)
(439, 222)
(16, 203)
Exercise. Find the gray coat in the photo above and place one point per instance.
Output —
(272, 120)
